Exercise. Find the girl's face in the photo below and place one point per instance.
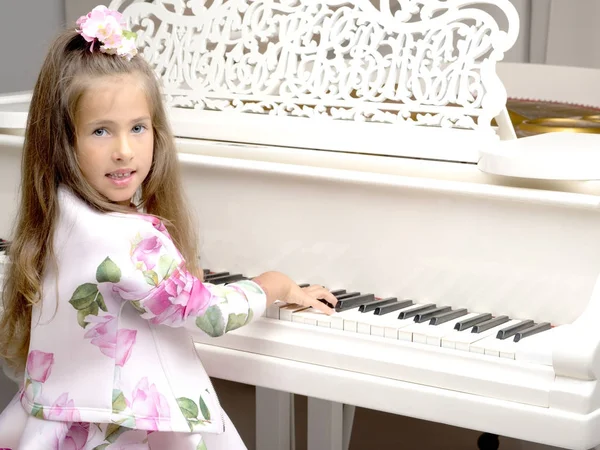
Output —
(115, 141)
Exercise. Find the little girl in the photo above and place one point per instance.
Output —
(104, 285)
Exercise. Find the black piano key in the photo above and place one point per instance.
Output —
(338, 292)
(368, 307)
(206, 271)
(447, 317)
(427, 315)
(303, 285)
(468, 323)
(535, 329)
(514, 329)
(215, 275)
(414, 311)
(227, 279)
(480, 328)
(354, 302)
(347, 295)
(381, 310)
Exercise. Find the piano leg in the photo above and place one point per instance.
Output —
(348, 418)
(329, 425)
(324, 425)
(274, 420)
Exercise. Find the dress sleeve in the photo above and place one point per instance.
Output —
(161, 288)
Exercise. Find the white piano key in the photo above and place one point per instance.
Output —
(297, 318)
(433, 334)
(363, 327)
(272, 311)
(492, 346)
(351, 320)
(392, 331)
(324, 321)
(312, 317)
(537, 349)
(345, 320)
(406, 333)
(366, 321)
(286, 312)
(508, 349)
(370, 323)
(462, 340)
(389, 325)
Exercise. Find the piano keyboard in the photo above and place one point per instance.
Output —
(423, 323)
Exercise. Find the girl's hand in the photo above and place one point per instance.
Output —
(310, 296)
(280, 287)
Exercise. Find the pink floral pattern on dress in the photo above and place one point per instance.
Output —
(114, 343)
(62, 410)
(178, 297)
(103, 333)
(60, 432)
(76, 438)
(149, 405)
(39, 365)
(125, 342)
(39, 369)
(175, 295)
(146, 253)
(156, 223)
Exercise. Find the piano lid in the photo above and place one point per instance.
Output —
(414, 79)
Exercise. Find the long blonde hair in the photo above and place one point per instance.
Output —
(49, 159)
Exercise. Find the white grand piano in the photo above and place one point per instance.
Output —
(378, 135)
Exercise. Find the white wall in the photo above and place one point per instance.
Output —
(26, 29)
(558, 32)
(77, 8)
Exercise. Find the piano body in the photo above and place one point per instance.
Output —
(343, 144)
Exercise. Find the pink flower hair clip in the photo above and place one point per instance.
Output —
(109, 29)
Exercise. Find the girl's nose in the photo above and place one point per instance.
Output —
(124, 151)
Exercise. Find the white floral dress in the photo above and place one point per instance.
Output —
(111, 362)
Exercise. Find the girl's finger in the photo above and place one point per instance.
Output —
(313, 288)
(319, 306)
(325, 295)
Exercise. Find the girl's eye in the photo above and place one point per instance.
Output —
(138, 129)
(99, 132)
